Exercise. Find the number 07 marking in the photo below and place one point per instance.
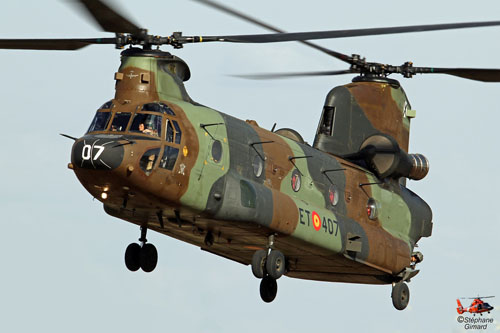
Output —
(88, 150)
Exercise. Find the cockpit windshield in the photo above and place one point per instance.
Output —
(101, 119)
(147, 119)
(100, 122)
(120, 121)
(106, 105)
(147, 123)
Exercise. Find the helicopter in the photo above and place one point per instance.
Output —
(477, 305)
(269, 206)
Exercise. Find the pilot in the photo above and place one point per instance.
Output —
(145, 130)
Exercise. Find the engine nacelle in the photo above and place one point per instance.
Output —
(419, 166)
(384, 156)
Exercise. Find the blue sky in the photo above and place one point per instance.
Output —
(63, 266)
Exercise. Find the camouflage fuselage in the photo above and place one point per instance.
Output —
(242, 183)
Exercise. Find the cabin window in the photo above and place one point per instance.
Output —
(169, 158)
(148, 160)
(158, 107)
(120, 121)
(328, 120)
(100, 122)
(216, 151)
(248, 195)
(257, 166)
(147, 124)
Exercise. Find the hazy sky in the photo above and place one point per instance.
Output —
(62, 256)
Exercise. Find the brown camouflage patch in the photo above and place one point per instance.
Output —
(386, 252)
(132, 89)
(277, 154)
(285, 213)
(381, 109)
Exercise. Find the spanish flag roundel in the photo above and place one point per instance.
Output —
(316, 221)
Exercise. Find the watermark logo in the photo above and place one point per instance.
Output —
(477, 306)
(471, 323)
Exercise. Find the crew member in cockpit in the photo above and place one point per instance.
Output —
(145, 130)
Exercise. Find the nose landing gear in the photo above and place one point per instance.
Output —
(142, 256)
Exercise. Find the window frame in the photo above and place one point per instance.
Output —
(113, 118)
(107, 124)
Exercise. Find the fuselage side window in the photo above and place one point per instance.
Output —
(328, 121)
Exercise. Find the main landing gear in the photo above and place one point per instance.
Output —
(400, 295)
(142, 255)
(268, 266)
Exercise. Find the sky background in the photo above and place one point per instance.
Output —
(62, 257)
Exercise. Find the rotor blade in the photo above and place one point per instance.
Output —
(108, 18)
(247, 18)
(297, 36)
(52, 44)
(271, 76)
(238, 14)
(477, 74)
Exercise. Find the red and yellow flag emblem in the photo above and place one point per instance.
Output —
(316, 221)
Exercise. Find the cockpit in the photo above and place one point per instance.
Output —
(155, 120)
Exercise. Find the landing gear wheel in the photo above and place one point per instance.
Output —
(275, 264)
(149, 257)
(400, 295)
(268, 289)
(133, 257)
(259, 263)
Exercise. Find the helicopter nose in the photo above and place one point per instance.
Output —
(97, 153)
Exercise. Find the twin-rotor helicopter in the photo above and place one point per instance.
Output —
(337, 210)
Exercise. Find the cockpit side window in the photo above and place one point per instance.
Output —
(169, 158)
(158, 107)
(148, 160)
(100, 122)
(147, 123)
(178, 132)
(120, 121)
(170, 131)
